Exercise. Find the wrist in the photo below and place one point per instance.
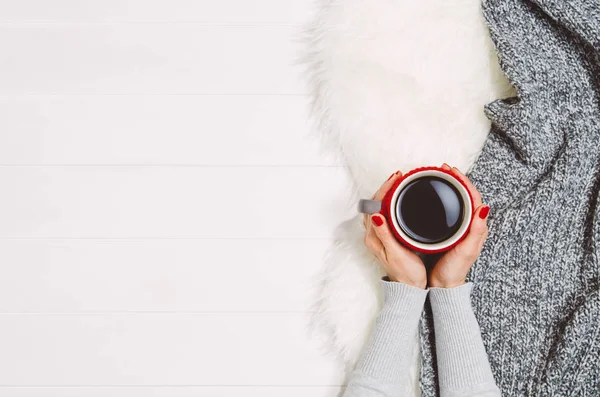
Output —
(435, 283)
(422, 284)
(448, 303)
(401, 296)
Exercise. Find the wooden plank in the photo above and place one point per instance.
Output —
(242, 391)
(149, 59)
(156, 129)
(173, 202)
(162, 349)
(204, 11)
(159, 275)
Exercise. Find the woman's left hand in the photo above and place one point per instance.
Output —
(399, 262)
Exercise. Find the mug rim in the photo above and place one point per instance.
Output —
(450, 177)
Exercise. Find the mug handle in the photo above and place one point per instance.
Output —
(369, 206)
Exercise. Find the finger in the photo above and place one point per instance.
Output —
(372, 241)
(477, 200)
(384, 233)
(472, 189)
(368, 224)
(383, 189)
(470, 247)
(482, 241)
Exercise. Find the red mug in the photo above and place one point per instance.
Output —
(429, 209)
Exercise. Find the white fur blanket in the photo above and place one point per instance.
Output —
(395, 85)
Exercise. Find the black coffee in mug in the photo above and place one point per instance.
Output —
(430, 209)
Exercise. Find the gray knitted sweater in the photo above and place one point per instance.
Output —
(536, 283)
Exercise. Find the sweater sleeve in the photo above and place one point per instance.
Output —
(382, 369)
(463, 365)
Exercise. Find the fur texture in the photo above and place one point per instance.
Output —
(394, 85)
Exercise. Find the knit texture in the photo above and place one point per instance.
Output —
(384, 361)
(381, 370)
(462, 362)
(536, 295)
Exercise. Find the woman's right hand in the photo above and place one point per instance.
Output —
(399, 262)
(452, 268)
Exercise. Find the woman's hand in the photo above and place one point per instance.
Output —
(452, 268)
(399, 262)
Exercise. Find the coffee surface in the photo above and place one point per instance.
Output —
(429, 209)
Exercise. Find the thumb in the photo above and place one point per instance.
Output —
(472, 244)
(383, 232)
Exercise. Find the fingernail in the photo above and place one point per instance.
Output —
(445, 165)
(391, 176)
(377, 221)
(484, 212)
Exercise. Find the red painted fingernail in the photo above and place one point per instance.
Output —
(484, 212)
(395, 173)
(377, 221)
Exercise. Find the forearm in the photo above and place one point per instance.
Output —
(462, 361)
(382, 369)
